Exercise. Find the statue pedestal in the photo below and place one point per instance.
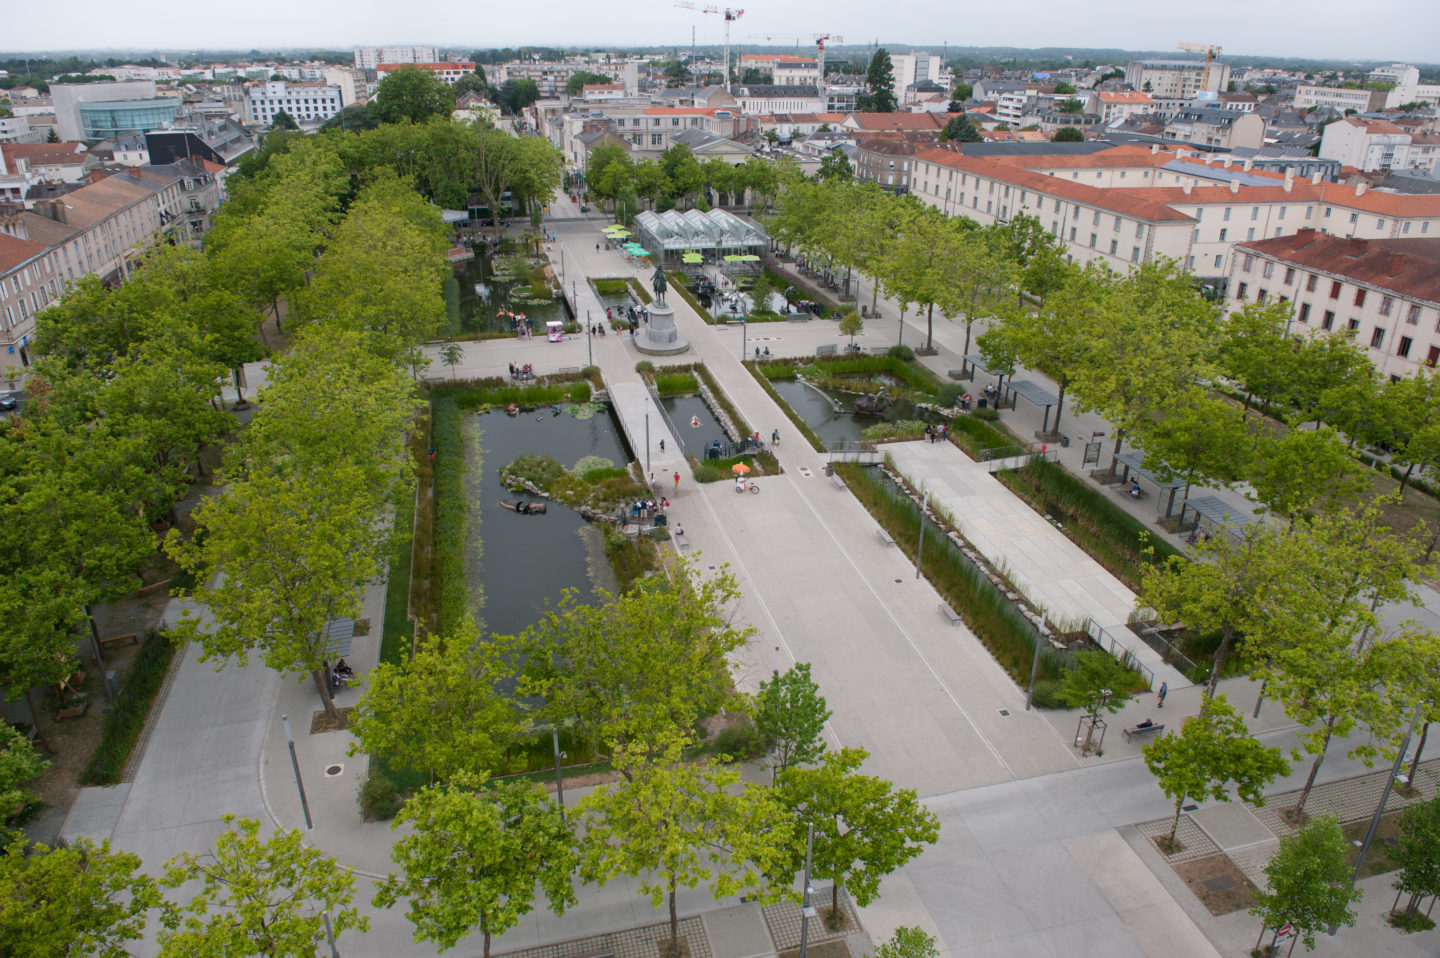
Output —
(659, 337)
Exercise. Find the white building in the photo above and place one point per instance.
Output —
(370, 58)
(782, 70)
(913, 68)
(1413, 93)
(306, 103)
(1176, 79)
(67, 98)
(1342, 99)
(449, 72)
(1369, 145)
(1384, 294)
(1115, 105)
(1400, 74)
(350, 82)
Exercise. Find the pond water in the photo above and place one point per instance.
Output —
(483, 294)
(523, 560)
(817, 408)
(694, 440)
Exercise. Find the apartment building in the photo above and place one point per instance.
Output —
(306, 103)
(1111, 105)
(645, 132)
(1385, 294)
(1372, 144)
(449, 72)
(550, 76)
(772, 98)
(1176, 79)
(1216, 127)
(888, 159)
(783, 70)
(1129, 204)
(93, 231)
(1338, 98)
(370, 58)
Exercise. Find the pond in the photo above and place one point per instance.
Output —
(525, 561)
(694, 440)
(483, 294)
(817, 408)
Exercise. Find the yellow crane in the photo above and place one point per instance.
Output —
(729, 15)
(1211, 52)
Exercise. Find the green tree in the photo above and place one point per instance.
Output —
(413, 94)
(633, 668)
(1309, 883)
(672, 824)
(439, 711)
(452, 355)
(19, 763)
(865, 828)
(80, 900)
(790, 716)
(959, 129)
(283, 121)
(580, 79)
(1417, 853)
(357, 117)
(761, 294)
(52, 136)
(962, 92)
(1196, 436)
(474, 858)
(257, 897)
(851, 325)
(1063, 88)
(1305, 470)
(516, 95)
(1068, 134)
(682, 173)
(1098, 681)
(835, 165)
(471, 83)
(1213, 752)
(880, 79)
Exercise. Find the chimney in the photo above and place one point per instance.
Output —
(1360, 188)
(1303, 237)
(1289, 179)
(1234, 186)
(1355, 248)
(1154, 148)
(1186, 187)
(51, 209)
(1315, 178)
(1249, 164)
(1227, 161)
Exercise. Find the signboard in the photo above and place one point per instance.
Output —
(1092, 454)
(1287, 930)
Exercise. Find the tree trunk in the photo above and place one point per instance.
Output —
(485, 928)
(874, 293)
(35, 720)
(239, 389)
(1259, 938)
(674, 924)
(1060, 406)
(322, 682)
(1415, 762)
(1299, 808)
(1175, 825)
(1114, 453)
(1220, 654)
(1404, 479)
(930, 328)
(834, 904)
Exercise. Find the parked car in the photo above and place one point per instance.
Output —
(7, 402)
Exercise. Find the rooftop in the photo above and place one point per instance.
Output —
(1407, 267)
(16, 252)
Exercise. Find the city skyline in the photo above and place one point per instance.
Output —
(1390, 29)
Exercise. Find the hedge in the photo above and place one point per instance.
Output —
(132, 706)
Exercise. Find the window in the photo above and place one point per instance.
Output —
(1222, 235)
(1072, 234)
(1310, 282)
(1380, 223)
(1304, 312)
(1328, 322)
(1093, 238)
(1425, 227)
(1386, 304)
(1354, 218)
(1377, 338)
(1434, 356)
(1114, 245)
(1290, 276)
(1354, 326)
(1097, 218)
(1250, 233)
(1310, 211)
(1403, 350)
(1247, 263)
(656, 139)
(1413, 316)
(1219, 258)
(1268, 270)
(1241, 290)
(1254, 213)
(1328, 211)
(1226, 217)
(1190, 262)
(1335, 289)
(1283, 211)
(1139, 230)
(1196, 238)
(1263, 295)
(1135, 254)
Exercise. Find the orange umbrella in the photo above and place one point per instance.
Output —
(740, 468)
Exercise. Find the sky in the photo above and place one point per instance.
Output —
(1404, 30)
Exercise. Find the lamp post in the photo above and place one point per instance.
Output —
(309, 825)
(920, 547)
(744, 338)
(807, 910)
(589, 341)
(647, 433)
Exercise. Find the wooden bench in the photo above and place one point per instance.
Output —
(950, 613)
(828, 349)
(885, 537)
(1140, 731)
(127, 637)
(681, 541)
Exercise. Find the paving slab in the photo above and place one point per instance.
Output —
(738, 932)
(1231, 825)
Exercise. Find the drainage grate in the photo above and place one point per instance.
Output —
(1190, 808)
(1005, 712)
(332, 770)
(898, 581)
(805, 471)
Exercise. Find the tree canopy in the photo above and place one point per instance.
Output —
(412, 94)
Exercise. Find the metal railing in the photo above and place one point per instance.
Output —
(1151, 636)
(1104, 638)
(849, 450)
(1014, 456)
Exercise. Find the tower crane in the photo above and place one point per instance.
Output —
(1211, 52)
(820, 39)
(729, 15)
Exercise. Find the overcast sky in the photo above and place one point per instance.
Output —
(1404, 30)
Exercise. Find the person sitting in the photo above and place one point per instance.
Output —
(1148, 723)
(1134, 489)
(767, 351)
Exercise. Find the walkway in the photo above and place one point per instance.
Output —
(1047, 568)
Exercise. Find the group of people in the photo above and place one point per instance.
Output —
(597, 329)
(631, 313)
(649, 508)
(522, 373)
(342, 675)
(937, 433)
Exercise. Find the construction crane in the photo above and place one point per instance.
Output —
(1210, 52)
(820, 39)
(729, 15)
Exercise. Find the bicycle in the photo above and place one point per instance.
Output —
(745, 485)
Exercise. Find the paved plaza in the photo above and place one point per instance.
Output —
(1042, 853)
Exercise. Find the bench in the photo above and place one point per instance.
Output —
(681, 540)
(828, 349)
(885, 537)
(949, 613)
(113, 639)
(956, 373)
(836, 481)
(1141, 731)
(1124, 492)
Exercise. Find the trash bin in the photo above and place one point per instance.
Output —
(982, 402)
(660, 519)
(829, 469)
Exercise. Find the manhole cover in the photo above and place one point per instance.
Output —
(898, 581)
(332, 770)
(1190, 808)
(805, 471)
(1220, 883)
(1005, 712)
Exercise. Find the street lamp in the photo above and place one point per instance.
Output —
(309, 825)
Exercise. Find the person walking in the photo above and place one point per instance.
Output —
(1160, 696)
(677, 481)
(774, 437)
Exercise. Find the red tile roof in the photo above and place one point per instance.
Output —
(1406, 267)
(15, 251)
(898, 121)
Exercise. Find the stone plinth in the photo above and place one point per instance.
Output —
(659, 337)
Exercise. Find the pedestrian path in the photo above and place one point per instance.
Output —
(1052, 572)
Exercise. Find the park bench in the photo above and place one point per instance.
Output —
(1141, 731)
(837, 482)
(681, 540)
(950, 613)
(1124, 492)
(114, 639)
(885, 537)
(828, 349)
(956, 373)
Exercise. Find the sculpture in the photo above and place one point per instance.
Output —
(658, 283)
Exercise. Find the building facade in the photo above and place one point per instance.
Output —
(310, 103)
(1371, 144)
(1337, 98)
(449, 72)
(1384, 294)
(67, 97)
(1175, 79)
(370, 58)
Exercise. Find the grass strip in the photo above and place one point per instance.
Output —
(495, 391)
(1111, 536)
(676, 384)
(762, 374)
(994, 619)
(132, 706)
(639, 290)
(975, 436)
(398, 631)
(448, 440)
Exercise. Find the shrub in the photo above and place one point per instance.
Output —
(975, 435)
(590, 372)
(986, 415)
(707, 472)
(644, 366)
(739, 742)
(947, 394)
(132, 706)
(901, 351)
(379, 797)
(540, 471)
(676, 384)
(901, 429)
(1043, 696)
